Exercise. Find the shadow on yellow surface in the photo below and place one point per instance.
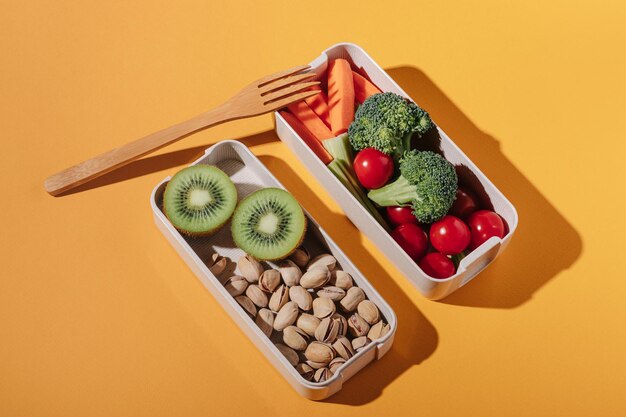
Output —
(544, 244)
(416, 338)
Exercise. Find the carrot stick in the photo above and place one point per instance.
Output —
(312, 122)
(308, 138)
(363, 88)
(319, 104)
(340, 96)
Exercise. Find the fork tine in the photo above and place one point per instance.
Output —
(281, 74)
(280, 103)
(284, 92)
(285, 82)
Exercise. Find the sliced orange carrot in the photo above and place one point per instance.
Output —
(308, 118)
(363, 88)
(308, 138)
(319, 104)
(340, 95)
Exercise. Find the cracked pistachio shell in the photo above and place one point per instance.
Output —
(341, 279)
(250, 268)
(359, 343)
(352, 299)
(343, 347)
(319, 352)
(265, 321)
(217, 264)
(315, 278)
(269, 280)
(335, 364)
(289, 353)
(247, 304)
(300, 257)
(286, 316)
(295, 338)
(327, 330)
(334, 293)
(305, 370)
(308, 323)
(256, 295)
(302, 297)
(290, 272)
(316, 365)
(324, 260)
(357, 326)
(368, 310)
(279, 298)
(323, 307)
(322, 375)
(236, 285)
(342, 323)
(378, 330)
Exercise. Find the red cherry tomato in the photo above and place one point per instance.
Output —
(373, 168)
(484, 224)
(449, 235)
(464, 204)
(437, 265)
(412, 239)
(398, 215)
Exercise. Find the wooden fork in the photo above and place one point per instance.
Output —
(262, 96)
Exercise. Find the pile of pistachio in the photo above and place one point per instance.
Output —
(310, 309)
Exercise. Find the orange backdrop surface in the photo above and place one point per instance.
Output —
(100, 317)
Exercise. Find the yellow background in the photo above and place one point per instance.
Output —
(100, 317)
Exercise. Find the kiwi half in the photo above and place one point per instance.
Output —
(269, 224)
(199, 199)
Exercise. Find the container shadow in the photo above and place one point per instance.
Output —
(416, 338)
(529, 262)
(151, 164)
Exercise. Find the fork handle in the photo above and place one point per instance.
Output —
(123, 155)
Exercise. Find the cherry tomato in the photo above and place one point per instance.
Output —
(412, 239)
(484, 224)
(373, 168)
(449, 235)
(437, 265)
(398, 215)
(464, 204)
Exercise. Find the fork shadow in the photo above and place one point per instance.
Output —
(416, 338)
(529, 262)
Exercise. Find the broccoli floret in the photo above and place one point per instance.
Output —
(386, 122)
(427, 184)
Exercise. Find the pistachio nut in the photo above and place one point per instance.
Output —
(315, 278)
(269, 280)
(217, 264)
(316, 365)
(236, 285)
(265, 321)
(359, 343)
(295, 338)
(300, 257)
(247, 304)
(357, 326)
(319, 352)
(368, 310)
(305, 370)
(378, 330)
(343, 347)
(327, 330)
(286, 316)
(352, 299)
(324, 260)
(290, 272)
(256, 295)
(334, 293)
(279, 298)
(341, 279)
(289, 353)
(302, 297)
(342, 323)
(335, 364)
(250, 268)
(308, 323)
(322, 375)
(323, 307)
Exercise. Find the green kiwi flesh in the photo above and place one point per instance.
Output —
(199, 199)
(269, 224)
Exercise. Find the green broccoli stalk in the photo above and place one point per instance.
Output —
(387, 122)
(428, 184)
(341, 167)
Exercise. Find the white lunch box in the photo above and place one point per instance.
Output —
(468, 173)
(249, 174)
